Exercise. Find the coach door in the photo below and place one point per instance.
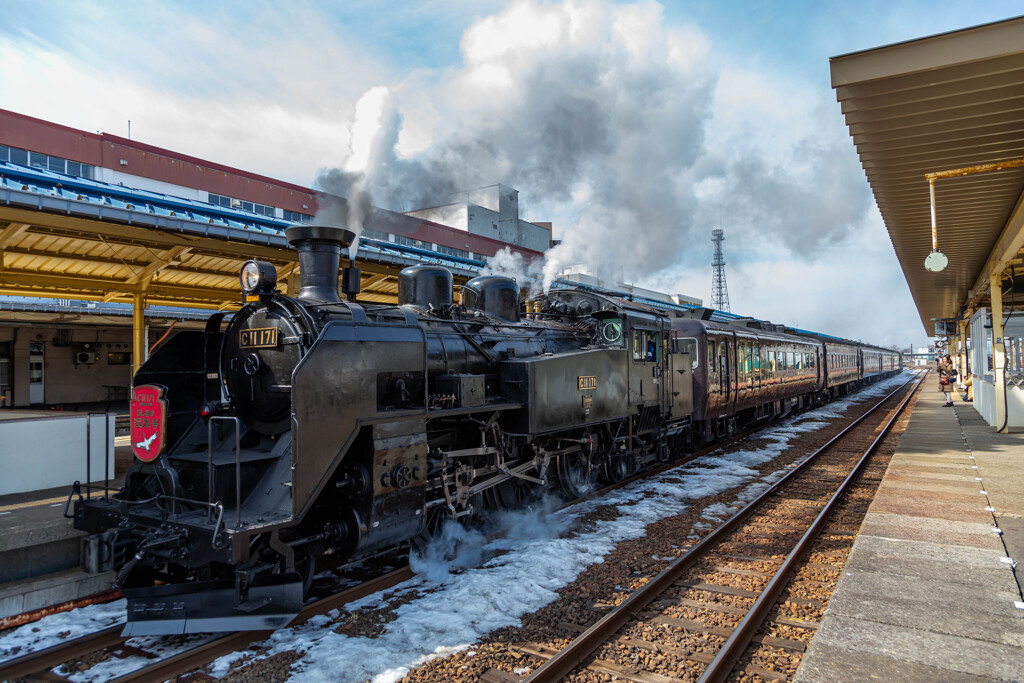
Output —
(683, 361)
(725, 352)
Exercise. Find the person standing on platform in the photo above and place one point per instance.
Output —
(947, 373)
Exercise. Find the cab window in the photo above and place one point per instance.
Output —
(646, 346)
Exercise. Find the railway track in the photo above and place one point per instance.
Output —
(195, 658)
(33, 663)
(109, 638)
(707, 611)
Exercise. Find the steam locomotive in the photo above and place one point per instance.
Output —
(313, 429)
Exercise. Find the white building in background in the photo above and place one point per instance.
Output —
(925, 355)
(492, 212)
(579, 275)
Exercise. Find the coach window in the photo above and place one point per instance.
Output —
(687, 345)
(711, 356)
(757, 357)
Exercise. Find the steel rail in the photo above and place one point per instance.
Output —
(729, 654)
(33, 662)
(584, 645)
(190, 660)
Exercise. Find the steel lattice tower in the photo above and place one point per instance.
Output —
(719, 290)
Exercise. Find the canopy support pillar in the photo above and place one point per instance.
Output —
(138, 332)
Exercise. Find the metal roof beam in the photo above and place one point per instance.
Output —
(924, 153)
(946, 108)
(934, 91)
(157, 264)
(11, 233)
(935, 125)
(32, 281)
(911, 139)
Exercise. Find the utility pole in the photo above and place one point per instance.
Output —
(719, 290)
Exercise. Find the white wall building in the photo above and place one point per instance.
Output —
(981, 367)
(489, 212)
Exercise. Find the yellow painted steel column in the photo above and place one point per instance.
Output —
(138, 333)
(998, 353)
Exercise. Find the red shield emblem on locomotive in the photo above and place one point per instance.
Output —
(148, 413)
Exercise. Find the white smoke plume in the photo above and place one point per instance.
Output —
(615, 125)
(512, 264)
(372, 138)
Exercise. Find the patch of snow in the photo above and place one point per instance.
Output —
(53, 629)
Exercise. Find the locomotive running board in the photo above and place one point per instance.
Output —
(211, 607)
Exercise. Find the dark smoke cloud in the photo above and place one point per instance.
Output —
(599, 114)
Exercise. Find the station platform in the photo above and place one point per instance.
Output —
(39, 555)
(40, 549)
(929, 592)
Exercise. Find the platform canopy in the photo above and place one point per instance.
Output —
(944, 103)
(74, 238)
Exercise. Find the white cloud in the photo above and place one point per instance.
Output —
(635, 135)
(270, 93)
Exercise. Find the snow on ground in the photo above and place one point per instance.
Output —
(467, 586)
(57, 627)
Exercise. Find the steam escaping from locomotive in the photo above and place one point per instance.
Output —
(622, 130)
(372, 138)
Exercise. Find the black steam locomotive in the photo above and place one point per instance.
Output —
(315, 429)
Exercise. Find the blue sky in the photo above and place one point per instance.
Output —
(654, 121)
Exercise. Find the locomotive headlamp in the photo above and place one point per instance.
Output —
(258, 276)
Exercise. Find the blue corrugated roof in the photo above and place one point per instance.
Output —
(76, 188)
(48, 190)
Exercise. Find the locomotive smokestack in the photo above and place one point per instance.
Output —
(319, 255)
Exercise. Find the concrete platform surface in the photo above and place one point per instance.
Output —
(40, 554)
(927, 594)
